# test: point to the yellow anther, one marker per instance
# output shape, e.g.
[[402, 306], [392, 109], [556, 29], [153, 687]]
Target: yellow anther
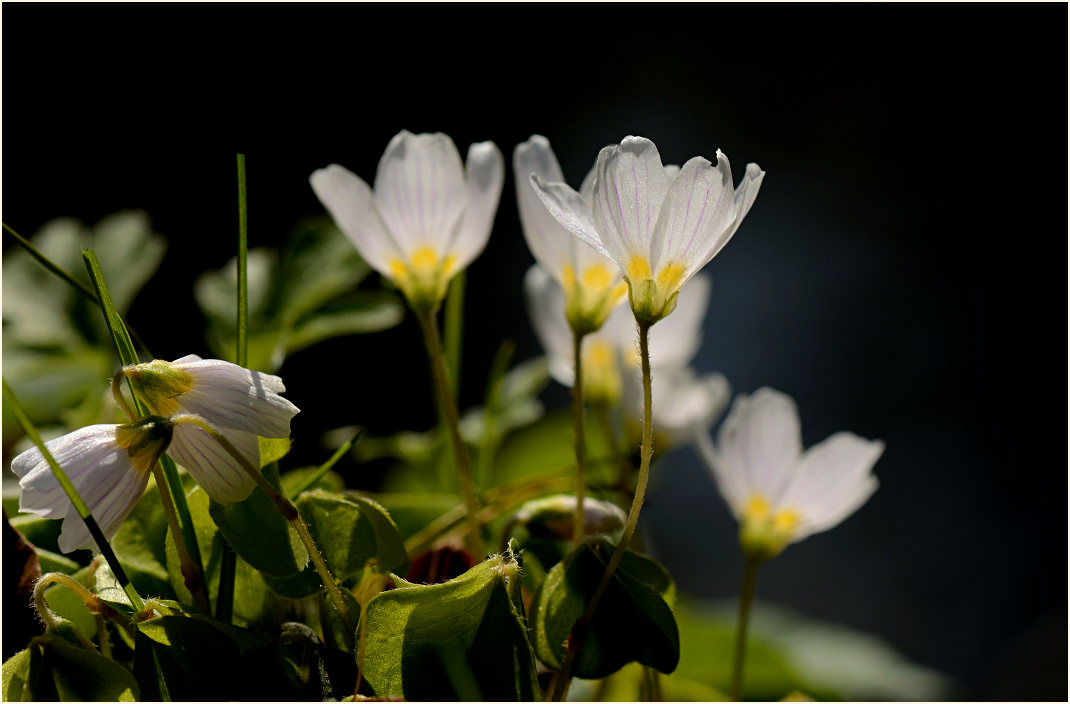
[[785, 521]]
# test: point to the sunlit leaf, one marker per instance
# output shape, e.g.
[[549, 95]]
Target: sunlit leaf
[[440, 641]]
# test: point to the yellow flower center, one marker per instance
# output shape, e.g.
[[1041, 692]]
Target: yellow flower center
[[764, 533], [425, 277], [144, 441], [590, 298]]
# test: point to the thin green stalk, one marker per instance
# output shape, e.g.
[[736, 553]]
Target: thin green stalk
[[80, 506], [750, 581], [579, 631], [171, 489], [452, 338], [285, 508], [243, 273], [449, 410], [321, 472], [578, 438], [228, 565]]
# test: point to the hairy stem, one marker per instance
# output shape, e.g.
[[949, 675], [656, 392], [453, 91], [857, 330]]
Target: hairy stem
[[579, 631]]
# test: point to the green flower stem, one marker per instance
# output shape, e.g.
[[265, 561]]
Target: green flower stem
[[41, 603], [190, 575], [750, 580], [449, 410], [285, 508], [579, 631], [80, 506], [578, 438], [228, 565], [171, 489]]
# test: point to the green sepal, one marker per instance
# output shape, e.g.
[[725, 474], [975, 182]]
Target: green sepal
[[633, 622], [463, 639]]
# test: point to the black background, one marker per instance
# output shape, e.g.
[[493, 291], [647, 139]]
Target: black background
[[895, 275]]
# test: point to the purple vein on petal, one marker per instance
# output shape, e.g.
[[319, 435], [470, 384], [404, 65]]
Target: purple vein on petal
[[698, 223]]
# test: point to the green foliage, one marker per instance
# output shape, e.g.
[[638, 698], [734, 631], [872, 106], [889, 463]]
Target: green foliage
[[302, 297], [349, 530], [633, 622], [259, 535], [52, 669], [464, 639]]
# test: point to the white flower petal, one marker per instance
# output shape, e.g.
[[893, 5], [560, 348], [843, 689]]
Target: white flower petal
[[420, 191], [485, 170], [685, 404], [349, 201], [832, 479], [218, 473], [79, 454], [548, 240], [628, 193], [697, 212], [731, 480], [229, 396], [546, 310], [100, 470], [743, 199], [761, 441], [570, 209]]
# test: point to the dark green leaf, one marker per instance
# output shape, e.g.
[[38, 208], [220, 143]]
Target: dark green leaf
[[259, 534], [74, 674], [632, 621]]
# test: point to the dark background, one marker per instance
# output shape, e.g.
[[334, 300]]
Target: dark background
[[895, 276]]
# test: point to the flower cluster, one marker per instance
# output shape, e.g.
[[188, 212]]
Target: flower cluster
[[109, 465]]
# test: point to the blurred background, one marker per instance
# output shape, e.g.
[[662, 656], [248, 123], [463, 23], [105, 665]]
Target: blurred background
[[894, 275]]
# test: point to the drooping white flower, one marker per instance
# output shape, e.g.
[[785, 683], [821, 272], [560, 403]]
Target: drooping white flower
[[591, 281], [108, 465], [240, 403], [659, 225], [428, 216], [778, 492]]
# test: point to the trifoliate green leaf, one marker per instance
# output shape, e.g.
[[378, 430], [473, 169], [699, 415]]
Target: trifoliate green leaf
[[632, 621]]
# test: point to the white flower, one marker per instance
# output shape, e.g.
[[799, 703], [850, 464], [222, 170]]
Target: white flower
[[108, 465], [591, 281], [683, 402], [779, 493], [240, 403], [658, 224], [427, 218]]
